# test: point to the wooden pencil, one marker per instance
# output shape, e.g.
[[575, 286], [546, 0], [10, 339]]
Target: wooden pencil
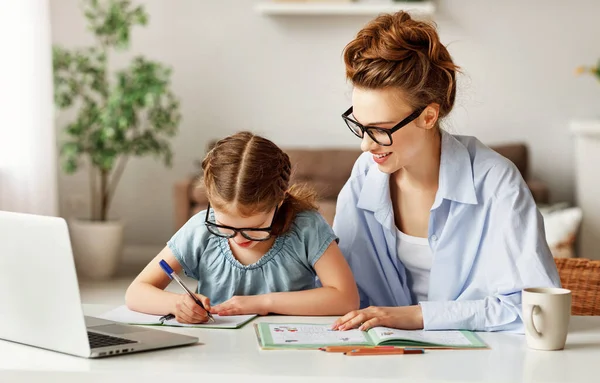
[[352, 348], [399, 351]]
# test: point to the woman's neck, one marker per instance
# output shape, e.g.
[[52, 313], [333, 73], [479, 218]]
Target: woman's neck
[[423, 173]]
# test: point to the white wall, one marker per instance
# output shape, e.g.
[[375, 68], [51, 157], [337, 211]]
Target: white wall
[[283, 76], [27, 150]]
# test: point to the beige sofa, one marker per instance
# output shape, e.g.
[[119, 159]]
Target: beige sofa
[[327, 170]]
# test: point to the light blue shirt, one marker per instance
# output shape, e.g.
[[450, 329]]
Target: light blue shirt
[[485, 232], [287, 266]]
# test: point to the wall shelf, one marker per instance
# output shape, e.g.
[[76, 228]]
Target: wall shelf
[[421, 8], [586, 128]]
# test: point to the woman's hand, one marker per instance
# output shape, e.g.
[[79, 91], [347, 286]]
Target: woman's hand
[[188, 311], [241, 305], [405, 318]]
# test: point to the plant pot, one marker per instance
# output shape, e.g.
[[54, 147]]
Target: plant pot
[[97, 247]]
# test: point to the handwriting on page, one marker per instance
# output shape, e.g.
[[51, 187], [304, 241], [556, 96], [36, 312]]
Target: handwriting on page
[[448, 338], [313, 334]]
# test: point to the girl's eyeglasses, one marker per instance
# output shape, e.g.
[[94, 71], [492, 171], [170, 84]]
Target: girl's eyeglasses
[[251, 234]]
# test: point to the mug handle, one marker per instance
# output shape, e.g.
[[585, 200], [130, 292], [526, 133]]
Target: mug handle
[[530, 310]]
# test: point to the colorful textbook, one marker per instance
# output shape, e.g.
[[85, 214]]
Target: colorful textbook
[[309, 336], [123, 315]]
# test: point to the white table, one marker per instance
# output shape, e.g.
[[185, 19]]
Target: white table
[[234, 355]]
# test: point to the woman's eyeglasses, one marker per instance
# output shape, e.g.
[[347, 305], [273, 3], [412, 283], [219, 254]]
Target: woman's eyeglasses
[[381, 136], [251, 234]]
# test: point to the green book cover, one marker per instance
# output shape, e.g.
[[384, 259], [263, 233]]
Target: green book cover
[[303, 335]]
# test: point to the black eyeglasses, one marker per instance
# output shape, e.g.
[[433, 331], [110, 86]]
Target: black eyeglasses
[[381, 136], [251, 234]]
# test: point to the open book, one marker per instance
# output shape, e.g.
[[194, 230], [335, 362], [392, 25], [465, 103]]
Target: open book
[[123, 315], [295, 336]]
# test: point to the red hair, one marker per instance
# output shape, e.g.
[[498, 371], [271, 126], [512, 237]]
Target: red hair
[[393, 50]]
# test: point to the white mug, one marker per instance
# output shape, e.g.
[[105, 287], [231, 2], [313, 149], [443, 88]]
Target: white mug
[[546, 314]]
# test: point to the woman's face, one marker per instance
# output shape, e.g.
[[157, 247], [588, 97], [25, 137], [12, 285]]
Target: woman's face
[[384, 108]]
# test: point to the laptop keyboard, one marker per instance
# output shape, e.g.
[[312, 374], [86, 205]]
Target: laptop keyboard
[[101, 340]]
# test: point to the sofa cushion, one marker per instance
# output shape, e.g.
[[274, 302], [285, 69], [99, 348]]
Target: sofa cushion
[[561, 225], [327, 210], [197, 192], [327, 170], [517, 153]]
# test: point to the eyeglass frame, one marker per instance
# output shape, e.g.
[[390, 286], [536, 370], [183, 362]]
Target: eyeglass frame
[[239, 230], [413, 116]]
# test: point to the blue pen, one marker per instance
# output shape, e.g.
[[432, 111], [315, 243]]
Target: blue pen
[[169, 271]]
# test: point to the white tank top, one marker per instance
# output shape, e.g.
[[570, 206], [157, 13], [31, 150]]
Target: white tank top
[[416, 256]]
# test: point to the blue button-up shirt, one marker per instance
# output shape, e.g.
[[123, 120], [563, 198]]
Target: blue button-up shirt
[[485, 232]]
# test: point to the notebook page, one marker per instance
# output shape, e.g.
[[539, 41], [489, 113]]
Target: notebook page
[[123, 315], [446, 338], [313, 334], [232, 321]]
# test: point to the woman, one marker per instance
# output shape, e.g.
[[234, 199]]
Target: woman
[[440, 231]]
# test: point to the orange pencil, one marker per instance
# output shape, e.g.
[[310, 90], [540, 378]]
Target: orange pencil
[[399, 351], [352, 348]]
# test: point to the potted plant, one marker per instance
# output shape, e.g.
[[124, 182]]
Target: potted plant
[[118, 114], [593, 70]]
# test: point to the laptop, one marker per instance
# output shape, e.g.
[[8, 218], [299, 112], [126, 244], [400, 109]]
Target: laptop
[[39, 296]]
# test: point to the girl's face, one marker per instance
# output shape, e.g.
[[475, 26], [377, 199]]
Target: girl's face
[[384, 108], [234, 219]]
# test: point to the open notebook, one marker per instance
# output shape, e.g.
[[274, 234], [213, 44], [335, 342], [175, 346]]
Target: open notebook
[[123, 315], [295, 336]]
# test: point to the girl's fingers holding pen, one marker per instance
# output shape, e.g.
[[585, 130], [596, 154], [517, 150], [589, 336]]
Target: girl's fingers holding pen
[[189, 317], [196, 312], [193, 306], [183, 317], [205, 301], [190, 311], [182, 309]]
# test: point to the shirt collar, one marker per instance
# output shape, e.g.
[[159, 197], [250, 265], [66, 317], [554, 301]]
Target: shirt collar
[[455, 181], [375, 194], [456, 173]]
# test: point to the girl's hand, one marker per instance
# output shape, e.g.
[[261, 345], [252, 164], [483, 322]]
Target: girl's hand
[[240, 305], [188, 311], [405, 318]]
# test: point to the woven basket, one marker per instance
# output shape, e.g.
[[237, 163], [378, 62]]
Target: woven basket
[[582, 277]]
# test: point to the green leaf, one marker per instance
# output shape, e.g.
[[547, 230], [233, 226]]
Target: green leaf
[[132, 111], [90, 15], [70, 153], [140, 16], [70, 165]]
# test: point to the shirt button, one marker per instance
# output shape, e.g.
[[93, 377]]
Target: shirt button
[[434, 237]]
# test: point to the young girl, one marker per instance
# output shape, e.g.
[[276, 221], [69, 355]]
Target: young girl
[[256, 249]]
